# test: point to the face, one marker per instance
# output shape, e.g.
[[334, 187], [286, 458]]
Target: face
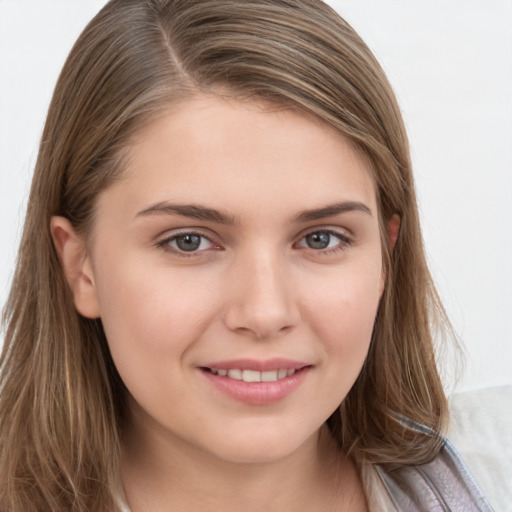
[[237, 271]]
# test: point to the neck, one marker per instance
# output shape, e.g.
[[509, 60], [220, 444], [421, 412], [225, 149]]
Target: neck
[[161, 473]]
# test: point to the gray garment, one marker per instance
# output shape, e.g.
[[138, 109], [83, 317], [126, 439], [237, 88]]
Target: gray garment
[[442, 485]]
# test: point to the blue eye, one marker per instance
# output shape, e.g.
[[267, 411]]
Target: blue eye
[[186, 243], [323, 239], [318, 240]]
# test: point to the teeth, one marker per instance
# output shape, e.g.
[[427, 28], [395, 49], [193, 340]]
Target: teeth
[[235, 374], [253, 375], [269, 376]]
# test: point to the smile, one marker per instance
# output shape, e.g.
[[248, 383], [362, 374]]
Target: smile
[[254, 375], [256, 382]]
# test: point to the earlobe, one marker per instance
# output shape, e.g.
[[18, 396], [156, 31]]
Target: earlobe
[[76, 266]]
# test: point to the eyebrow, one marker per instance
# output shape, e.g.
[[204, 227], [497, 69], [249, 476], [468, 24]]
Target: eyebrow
[[332, 210], [195, 211], [188, 210]]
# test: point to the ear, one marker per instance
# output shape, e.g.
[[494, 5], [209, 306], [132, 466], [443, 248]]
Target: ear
[[76, 266], [393, 228]]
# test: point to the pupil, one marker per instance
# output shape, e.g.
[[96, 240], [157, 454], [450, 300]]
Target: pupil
[[188, 242], [319, 240]]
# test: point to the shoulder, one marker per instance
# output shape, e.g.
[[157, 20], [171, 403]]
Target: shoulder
[[479, 450], [481, 431], [443, 484]]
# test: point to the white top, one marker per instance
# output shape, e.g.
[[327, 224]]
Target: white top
[[481, 431], [377, 496]]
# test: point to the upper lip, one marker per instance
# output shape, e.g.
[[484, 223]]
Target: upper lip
[[257, 365]]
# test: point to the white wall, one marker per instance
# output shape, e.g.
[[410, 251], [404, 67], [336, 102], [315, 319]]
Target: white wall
[[451, 65]]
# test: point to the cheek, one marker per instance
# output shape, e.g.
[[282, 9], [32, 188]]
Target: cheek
[[153, 320], [149, 313], [342, 314]]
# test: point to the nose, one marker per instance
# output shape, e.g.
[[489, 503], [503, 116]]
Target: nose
[[263, 301]]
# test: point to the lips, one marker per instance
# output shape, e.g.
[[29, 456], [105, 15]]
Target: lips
[[256, 382]]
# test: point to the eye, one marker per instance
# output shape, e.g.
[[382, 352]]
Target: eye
[[183, 243], [324, 239]]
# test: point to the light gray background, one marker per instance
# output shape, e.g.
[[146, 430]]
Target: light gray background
[[451, 65]]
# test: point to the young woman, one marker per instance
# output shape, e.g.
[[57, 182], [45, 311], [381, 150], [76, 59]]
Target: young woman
[[221, 300]]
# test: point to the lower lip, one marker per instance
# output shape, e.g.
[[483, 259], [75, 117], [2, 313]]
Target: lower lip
[[257, 393]]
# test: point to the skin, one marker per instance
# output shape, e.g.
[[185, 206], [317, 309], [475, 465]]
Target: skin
[[254, 288]]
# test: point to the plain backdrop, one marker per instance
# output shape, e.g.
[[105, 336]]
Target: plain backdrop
[[450, 63]]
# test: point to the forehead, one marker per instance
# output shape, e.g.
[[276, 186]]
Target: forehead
[[220, 150]]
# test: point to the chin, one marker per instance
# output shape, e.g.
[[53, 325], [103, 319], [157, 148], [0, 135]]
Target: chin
[[260, 446]]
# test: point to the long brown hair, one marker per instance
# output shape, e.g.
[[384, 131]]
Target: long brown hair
[[62, 402]]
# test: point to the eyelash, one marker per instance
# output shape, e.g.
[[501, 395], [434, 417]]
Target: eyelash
[[166, 247], [344, 243]]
